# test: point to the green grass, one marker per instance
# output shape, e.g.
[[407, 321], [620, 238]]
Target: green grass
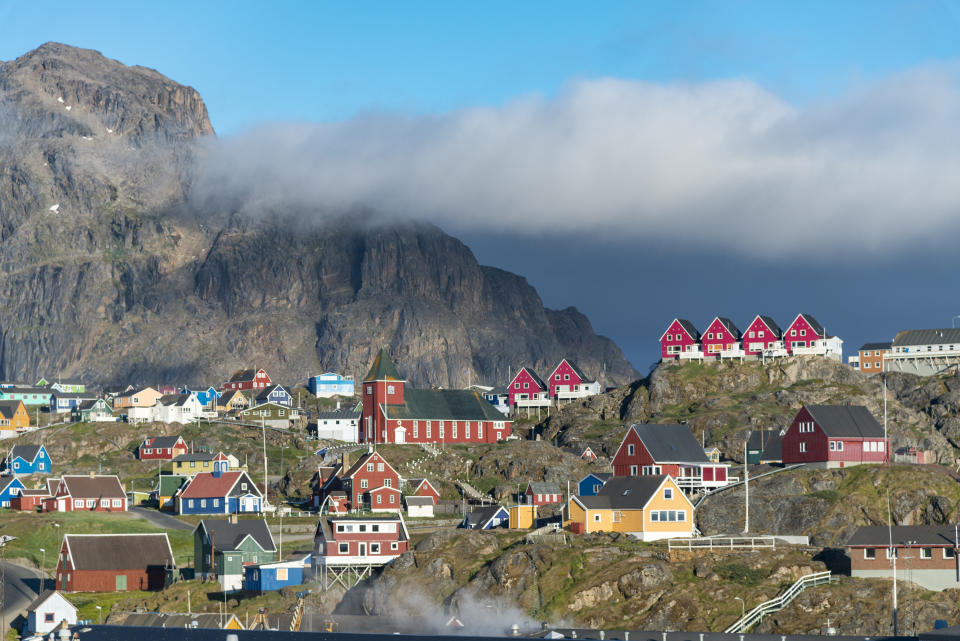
[[741, 573], [87, 602]]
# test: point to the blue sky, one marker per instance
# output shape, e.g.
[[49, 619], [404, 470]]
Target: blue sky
[[869, 91]]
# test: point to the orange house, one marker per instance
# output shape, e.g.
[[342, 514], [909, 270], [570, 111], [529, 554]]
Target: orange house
[[13, 415], [146, 397], [645, 507]]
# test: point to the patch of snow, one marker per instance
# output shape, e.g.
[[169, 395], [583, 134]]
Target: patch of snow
[[109, 131], [54, 208], [60, 100], [87, 137], [68, 107]]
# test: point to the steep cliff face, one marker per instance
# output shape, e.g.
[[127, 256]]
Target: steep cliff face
[[113, 272]]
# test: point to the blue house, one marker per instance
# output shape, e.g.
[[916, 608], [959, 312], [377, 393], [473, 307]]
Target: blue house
[[63, 402], [274, 394], [330, 384], [10, 487], [28, 459], [267, 577], [590, 484], [486, 518], [207, 397], [220, 493]]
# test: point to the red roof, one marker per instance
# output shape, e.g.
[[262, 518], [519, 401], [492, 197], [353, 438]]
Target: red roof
[[206, 484]]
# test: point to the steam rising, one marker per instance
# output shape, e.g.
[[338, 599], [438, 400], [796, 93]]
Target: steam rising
[[720, 164]]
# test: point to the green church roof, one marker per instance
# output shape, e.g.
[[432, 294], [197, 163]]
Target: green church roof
[[383, 369]]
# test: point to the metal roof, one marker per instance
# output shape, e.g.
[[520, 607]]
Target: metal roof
[[446, 404], [854, 421], [119, 551], [383, 369], [26, 452], [624, 493], [770, 323], [909, 337], [670, 443], [920, 535], [227, 535], [874, 346]]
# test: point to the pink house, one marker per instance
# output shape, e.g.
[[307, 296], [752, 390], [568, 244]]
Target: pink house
[[760, 334], [681, 336], [527, 389], [568, 381], [721, 335], [804, 331]]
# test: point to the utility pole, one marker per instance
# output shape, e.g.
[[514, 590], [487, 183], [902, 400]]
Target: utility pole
[[746, 491], [263, 428], [886, 443], [3, 582]]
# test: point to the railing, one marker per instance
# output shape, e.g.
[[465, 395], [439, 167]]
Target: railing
[[532, 402], [778, 603], [696, 354], [722, 543]]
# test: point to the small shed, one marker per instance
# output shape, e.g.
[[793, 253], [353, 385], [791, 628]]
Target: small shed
[[419, 506], [268, 577], [522, 517], [47, 612]]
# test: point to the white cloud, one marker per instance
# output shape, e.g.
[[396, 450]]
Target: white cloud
[[722, 164]]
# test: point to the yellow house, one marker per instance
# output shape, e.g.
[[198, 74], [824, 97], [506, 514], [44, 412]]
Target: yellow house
[[196, 462], [232, 400], [522, 517], [646, 507]]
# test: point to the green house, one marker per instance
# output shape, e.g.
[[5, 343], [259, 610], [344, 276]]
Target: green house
[[271, 414], [31, 396], [221, 547], [69, 386], [97, 410]]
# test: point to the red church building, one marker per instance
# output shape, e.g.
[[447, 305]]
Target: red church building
[[834, 436], [650, 449], [761, 334], [681, 337], [394, 413]]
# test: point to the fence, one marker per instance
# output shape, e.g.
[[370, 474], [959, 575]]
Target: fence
[[722, 543]]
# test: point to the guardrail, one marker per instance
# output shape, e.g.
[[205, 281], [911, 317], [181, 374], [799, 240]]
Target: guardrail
[[778, 603], [722, 543]]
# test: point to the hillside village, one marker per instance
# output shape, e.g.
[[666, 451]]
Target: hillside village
[[714, 483]]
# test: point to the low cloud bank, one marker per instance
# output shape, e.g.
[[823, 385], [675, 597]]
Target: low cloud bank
[[725, 165]]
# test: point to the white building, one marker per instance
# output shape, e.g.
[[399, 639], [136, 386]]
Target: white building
[[338, 425], [330, 384], [47, 612], [924, 352]]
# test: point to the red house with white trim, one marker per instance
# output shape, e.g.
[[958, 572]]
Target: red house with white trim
[[802, 332], [527, 390], [87, 494], [423, 487], [539, 494], [394, 413], [649, 449], [343, 541], [721, 335], [829, 436], [248, 379], [681, 337], [163, 448], [761, 334], [567, 381]]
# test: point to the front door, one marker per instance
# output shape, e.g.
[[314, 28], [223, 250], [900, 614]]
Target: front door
[[121, 582], [363, 549], [61, 505], [400, 434]]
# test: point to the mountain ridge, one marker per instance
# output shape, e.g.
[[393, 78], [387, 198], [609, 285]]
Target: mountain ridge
[[114, 269]]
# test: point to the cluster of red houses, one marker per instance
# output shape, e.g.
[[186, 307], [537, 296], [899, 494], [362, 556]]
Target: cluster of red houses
[[763, 338], [74, 493], [565, 382]]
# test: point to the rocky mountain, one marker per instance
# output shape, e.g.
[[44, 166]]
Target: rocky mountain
[[111, 269]]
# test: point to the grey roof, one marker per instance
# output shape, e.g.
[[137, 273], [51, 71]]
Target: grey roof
[[885, 345], [418, 500], [926, 337], [67, 381], [76, 395], [196, 456], [338, 414], [174, 399], [161, 442], [814, 324], [26, 452], [759, 439], [119, 551], [543, 488], [9, 408], [227, 535], [94, 487], [689, 328], [5, 482], [624, 493], [536, 378], [853, 421], [773, 452], [670, 443], [43, 596], [873, 535], [769, 322], [445, 404], [603, 476], [479, 517], [25, 390], [726, 322], [168, 620], [269, 389], [243, 375]]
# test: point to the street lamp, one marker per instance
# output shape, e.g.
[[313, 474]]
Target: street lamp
[[3, 577], [99, 615], [743, 608], [43, 565]]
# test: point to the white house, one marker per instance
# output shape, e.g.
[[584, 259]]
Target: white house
[[419, 506], [48, 611], [330, 384], [338, 425]]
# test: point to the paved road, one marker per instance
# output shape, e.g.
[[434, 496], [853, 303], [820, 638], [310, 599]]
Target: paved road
[[160, 519], [20, 588]]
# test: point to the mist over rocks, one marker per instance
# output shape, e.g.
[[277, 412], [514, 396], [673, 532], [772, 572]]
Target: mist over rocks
[[116, 268]]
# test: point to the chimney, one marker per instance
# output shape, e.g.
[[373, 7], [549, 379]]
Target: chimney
[[345, 461]]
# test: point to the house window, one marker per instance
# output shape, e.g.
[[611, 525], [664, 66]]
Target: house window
[[369, 467], [516, 386], [149, 450], [379, 499], [557, 377], [216, 502], [91, 502], [668, 493], [344, 548], [566, 377], [339, 528], [117, 502], [189, 502], [203, 502], [369, 389], [596, 518], [949, 553], [710, 335], [388, 482], [394, 546], [926, 553], [429, 430], [78, 504], [390, 389], [630, 449], [364, 484], [379, 467], [48, 617], [374, 527], [839, 446], [633, 470], [869, 553], [793, 332], [526, 385], [454, 429], [655, 516], [374, 548], [833, 446], [750, 334], [416, 429], [803, 332], [803, 447], [243, 487]]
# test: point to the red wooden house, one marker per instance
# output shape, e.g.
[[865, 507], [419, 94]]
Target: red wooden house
[[163, 448], [721, 335], [360, 483], [802, 332], [248, 379], [834, 436], [527, 390], [761, 334], [567, 381], [681, 337], [423, 487], [343, 541], [114, 562], [542, 494], [385, 499], [394, 413], [87, 493], [650, 449]]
